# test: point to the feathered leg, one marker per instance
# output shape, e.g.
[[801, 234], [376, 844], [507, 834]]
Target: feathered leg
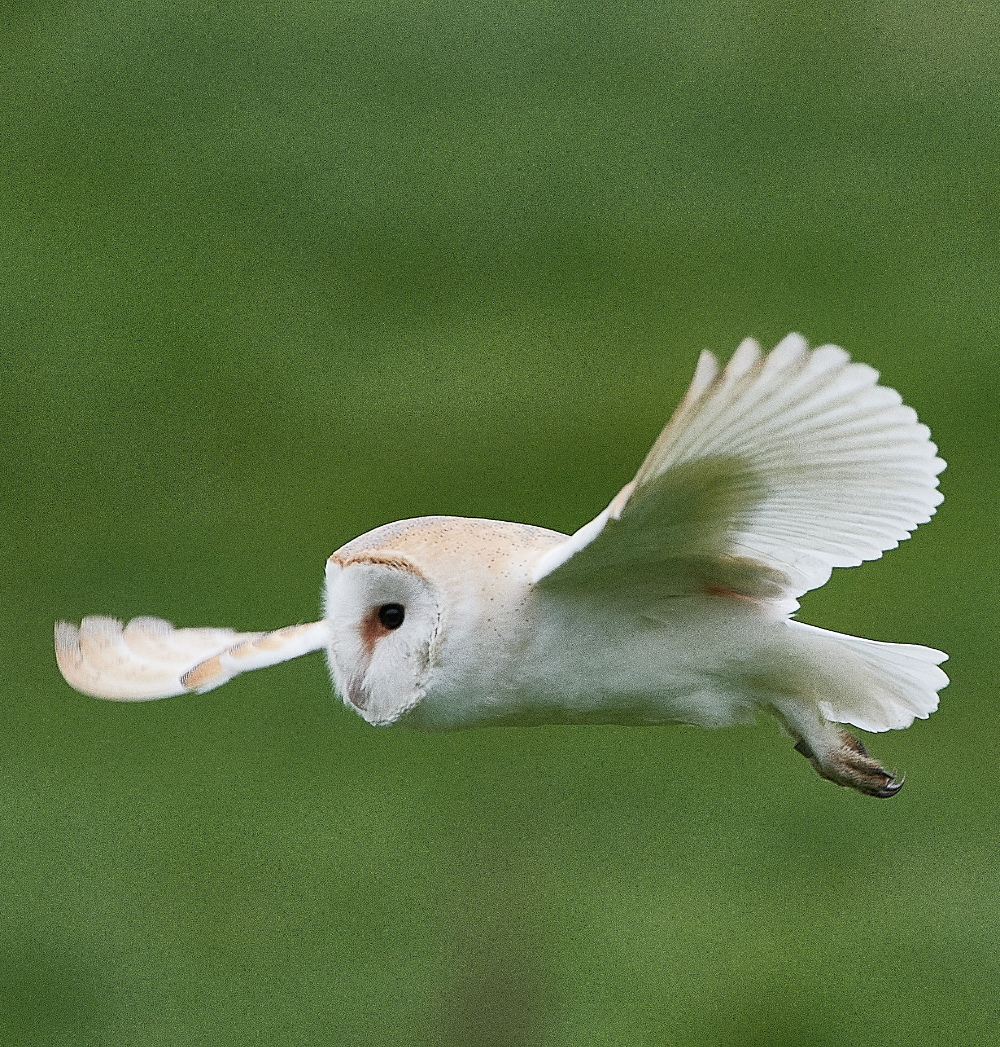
[[847, 763]]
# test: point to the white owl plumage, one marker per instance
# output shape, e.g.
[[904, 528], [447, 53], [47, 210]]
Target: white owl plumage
[[673, 605]]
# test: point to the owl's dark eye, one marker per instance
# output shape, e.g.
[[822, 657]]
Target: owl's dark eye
[[391, 615]]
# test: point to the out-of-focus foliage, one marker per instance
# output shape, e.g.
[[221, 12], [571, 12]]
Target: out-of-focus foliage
[[274, 274]]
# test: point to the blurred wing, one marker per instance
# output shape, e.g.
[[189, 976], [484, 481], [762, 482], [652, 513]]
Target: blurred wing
[[771, 473], [149, 658]]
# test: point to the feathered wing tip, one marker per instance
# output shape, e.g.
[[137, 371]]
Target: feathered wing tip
[[143, 660], [149, 658], [846, 469]]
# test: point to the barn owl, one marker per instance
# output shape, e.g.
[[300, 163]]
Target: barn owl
[[674, 605]]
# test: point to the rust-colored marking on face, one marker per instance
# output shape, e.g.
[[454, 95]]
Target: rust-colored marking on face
[[372, 630]]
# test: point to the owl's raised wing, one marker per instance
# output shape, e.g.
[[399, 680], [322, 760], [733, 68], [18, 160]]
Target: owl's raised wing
[[770, 473], [149, 658]]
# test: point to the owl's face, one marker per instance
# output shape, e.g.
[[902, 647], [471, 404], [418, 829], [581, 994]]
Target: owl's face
[[427, 605], [385, 623]]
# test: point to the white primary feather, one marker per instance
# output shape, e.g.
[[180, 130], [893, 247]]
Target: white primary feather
[[814, 466]]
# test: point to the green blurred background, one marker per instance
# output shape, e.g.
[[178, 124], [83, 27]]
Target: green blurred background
[[276, 273]]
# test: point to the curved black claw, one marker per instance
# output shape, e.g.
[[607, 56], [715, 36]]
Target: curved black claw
[[890, 788]]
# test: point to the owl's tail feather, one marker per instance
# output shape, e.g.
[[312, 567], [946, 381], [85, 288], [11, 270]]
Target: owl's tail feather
[[878, 686], [847, 680]]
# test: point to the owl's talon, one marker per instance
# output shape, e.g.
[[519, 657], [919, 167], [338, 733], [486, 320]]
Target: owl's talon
[[890, 788], [848, 764]]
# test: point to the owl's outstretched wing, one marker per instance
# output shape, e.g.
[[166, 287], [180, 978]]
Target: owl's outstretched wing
[[771, 473], [149, 658]]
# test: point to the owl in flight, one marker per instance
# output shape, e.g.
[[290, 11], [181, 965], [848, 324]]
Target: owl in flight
[[672, 606]]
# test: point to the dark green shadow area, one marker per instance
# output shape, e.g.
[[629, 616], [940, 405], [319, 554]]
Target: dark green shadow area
[[274, 274]]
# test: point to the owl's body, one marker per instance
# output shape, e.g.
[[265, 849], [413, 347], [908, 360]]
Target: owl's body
[[672, 606], [559, 657]]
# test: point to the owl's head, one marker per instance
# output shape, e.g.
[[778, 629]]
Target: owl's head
[[424, 602]]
